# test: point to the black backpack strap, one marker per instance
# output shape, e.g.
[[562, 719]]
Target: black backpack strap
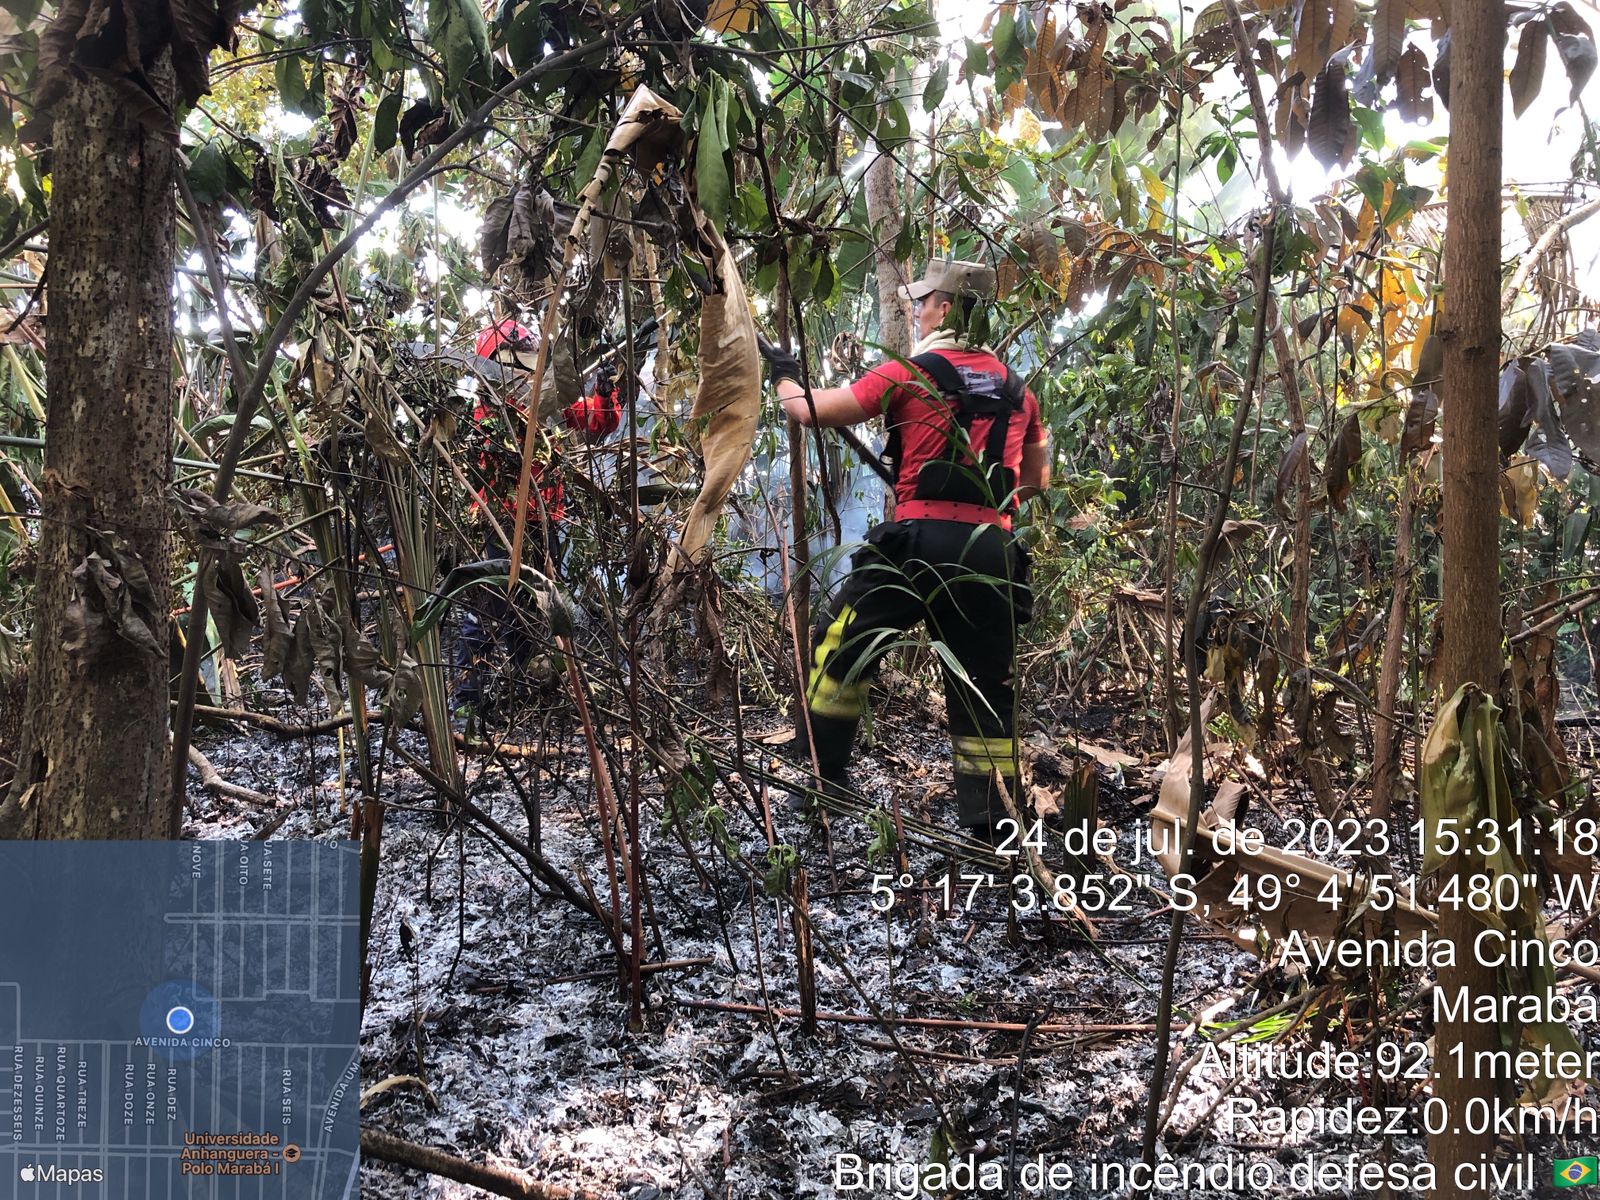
[[948, 380], [941, 370], [1014, 391]]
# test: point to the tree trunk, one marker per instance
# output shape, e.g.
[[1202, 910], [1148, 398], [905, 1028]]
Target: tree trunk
[[885, 217], [94, 755], [1471, 572], [894, 314]]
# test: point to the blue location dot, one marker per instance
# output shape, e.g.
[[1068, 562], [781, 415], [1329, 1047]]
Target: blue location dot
[[180, 1020]]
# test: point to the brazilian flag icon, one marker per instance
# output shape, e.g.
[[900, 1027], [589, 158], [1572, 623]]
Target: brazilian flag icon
[[1576, 1172]]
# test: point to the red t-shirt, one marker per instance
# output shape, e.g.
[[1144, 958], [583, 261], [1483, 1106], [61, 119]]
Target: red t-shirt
[[924, 418]]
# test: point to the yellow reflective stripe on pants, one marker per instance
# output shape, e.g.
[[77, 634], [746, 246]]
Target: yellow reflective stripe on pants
[[980, 755], [825, 694], [830, 698]]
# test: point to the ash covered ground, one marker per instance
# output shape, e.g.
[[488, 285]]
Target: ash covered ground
[[505, 1001]]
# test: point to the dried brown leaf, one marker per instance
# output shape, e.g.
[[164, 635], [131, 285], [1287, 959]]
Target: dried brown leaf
[[1342, 458]]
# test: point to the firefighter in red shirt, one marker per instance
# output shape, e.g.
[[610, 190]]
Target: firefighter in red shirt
[[492, 618], [967, 447]]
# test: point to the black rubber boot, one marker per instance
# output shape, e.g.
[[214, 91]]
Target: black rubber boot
[[979, 808]]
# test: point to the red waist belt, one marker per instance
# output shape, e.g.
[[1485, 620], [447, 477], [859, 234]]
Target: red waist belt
[[950, 510]]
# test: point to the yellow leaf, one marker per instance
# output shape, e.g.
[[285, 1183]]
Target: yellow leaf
[[1365, 223], [1519, 490], [1424, 328], [730, 16], [1028, 128], [1154, 182], [1354, 323]]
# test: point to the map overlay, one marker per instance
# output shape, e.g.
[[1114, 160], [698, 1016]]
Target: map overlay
[[179, 1019]]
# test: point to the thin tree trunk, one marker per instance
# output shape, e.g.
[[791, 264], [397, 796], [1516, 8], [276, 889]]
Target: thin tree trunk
[[1299, 646], [1471, 572], [94, 753], [894, 314], [1386, 740], [886, 219]]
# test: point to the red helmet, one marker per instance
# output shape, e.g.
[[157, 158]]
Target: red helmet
[[508, 343]]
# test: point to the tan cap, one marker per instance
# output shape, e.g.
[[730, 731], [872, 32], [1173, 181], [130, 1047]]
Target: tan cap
[[955, 276]]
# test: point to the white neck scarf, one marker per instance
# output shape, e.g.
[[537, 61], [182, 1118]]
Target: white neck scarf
[[945, 339]]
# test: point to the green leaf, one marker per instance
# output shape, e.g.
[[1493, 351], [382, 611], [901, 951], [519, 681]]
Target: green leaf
[[1575, 533], [752, 206], [525, 41], [907, 244], [938, 82], [1007, 46], [910, 17], [291, 80], [1369, 181], [1407, 199], [711, 151], [10, 216], [208, 174], [589, 157], [977, 64], [1371, 123], [827, 276], [386, 123], [894, 126], [1226, 161], [457, 30], [383, 56], [28, 176], [1019, 174], [802, 280]]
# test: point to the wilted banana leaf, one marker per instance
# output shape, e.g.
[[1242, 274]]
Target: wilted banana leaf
[[1421, 414], [326, 643], [298, 663], [729, 393], [404, 696], [519, 228], [1292, 458], [363, 664], [1464, 786]]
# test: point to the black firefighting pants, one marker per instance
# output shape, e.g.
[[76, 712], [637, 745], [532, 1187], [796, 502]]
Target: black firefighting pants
[[970, 584]]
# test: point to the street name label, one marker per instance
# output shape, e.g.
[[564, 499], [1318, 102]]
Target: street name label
[[179, 1019]]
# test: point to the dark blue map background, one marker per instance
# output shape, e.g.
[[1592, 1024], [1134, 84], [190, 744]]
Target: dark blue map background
[[99, 941]]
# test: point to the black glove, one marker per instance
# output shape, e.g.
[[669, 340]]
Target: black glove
[[780, 363]]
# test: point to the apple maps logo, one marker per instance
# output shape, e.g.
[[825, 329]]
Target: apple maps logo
[[34, 1173]]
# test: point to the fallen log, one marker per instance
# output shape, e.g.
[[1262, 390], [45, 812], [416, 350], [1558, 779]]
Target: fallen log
[[211, 779], [502, 1181]]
